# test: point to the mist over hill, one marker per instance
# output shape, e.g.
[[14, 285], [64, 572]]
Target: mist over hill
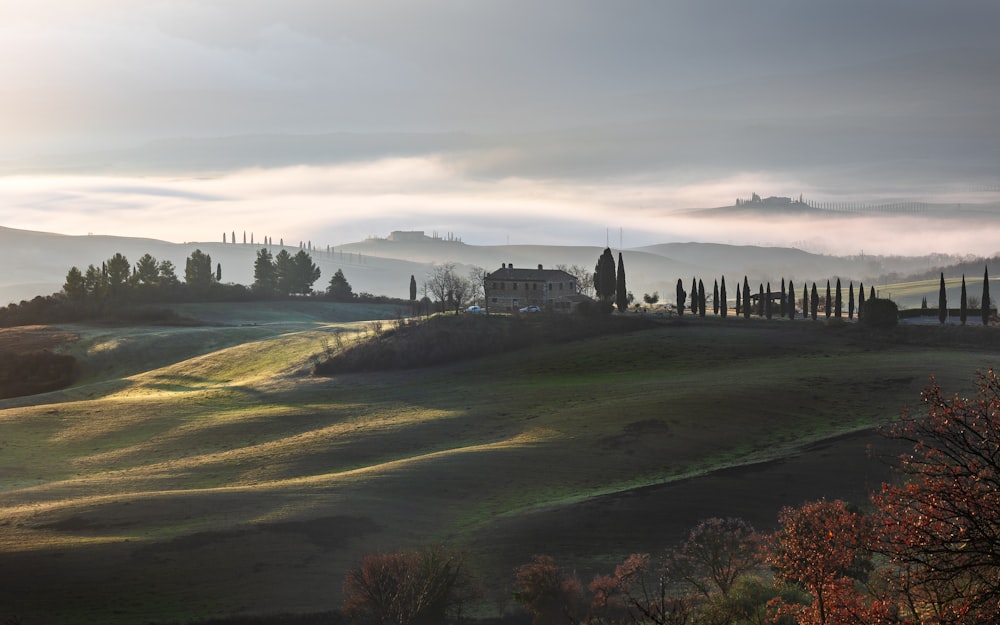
[[35, 263]]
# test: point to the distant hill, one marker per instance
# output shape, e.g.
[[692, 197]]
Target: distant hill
[[35, 263]]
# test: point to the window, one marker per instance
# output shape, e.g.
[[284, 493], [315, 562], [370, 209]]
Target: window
[[515, 286], [560, 286], [534, 287]]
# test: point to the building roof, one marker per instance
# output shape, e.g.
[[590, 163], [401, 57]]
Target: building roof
[[509, 272]]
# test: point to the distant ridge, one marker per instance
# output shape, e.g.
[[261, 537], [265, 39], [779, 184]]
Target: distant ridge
[[35, 263]]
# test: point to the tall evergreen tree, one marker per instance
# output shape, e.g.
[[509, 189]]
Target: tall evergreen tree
[[942, 301], [791, 300], [746, 298], [963, 303], [265, 276], [695, 300], [814, 301], [985, 306], [118, 273], [680, 297], [861, 298], [838, 302], [701, 299], [339, 288], [75, 288], [805, 300], [723, 298], [218, 272], [760, 300], [739, 300], [147, 271], [306, 273], [198, 272], [783, 307], [767, 302], [850, 300], [413, 289], [715, 299], [621, 291], [605, 282], [829, 301]]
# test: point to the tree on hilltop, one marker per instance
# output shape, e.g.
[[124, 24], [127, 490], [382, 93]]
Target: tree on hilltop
[[621, 292], [723, 298], [942, 301], [605, 281], [984, 306], [340, 289], [963, 303], [198, 272]]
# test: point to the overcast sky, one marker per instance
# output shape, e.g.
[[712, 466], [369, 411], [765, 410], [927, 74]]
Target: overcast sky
[[482, 118]]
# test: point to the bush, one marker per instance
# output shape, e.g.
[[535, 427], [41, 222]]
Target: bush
[[408, 588], [879, 313]]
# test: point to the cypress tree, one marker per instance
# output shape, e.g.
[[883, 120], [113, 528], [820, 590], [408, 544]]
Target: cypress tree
[[783, 309], [942, 301], [805, 300], [760, 300], [680, 297], [739, 302], [695, 300], [621, 292], [850, 301], [838, 302], [723, 299], [413, 289], [791, 300], [746, 298], [715, 299], [814, 301], [701, 299], [829, 301], [605, 282], [218, 272], [767, 302], [985, 306], [861, 298], [962, 303], [871, 292]]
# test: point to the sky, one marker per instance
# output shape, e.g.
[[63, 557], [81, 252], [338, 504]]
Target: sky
[[511, 121]]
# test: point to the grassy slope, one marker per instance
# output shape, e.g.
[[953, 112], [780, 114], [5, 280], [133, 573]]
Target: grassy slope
[[225, 480]]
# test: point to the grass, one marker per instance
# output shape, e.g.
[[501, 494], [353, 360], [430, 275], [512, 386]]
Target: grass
[[198, 472]]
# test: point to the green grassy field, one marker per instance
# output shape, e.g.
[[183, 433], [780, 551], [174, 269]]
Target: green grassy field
[[201, 472]]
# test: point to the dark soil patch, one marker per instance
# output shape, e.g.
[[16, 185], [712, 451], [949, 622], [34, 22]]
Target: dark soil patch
[[594, 535], [451, 338], [27, 366]]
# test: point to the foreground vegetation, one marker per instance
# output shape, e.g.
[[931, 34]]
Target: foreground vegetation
[[198, 472]]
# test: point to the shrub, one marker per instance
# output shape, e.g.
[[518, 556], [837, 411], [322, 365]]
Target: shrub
[[407, 588], [879, 313]]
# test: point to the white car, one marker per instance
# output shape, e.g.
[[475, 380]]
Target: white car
[[474, 309], [531, 309]]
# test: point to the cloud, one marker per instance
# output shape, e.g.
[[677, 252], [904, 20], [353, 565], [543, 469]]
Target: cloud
[[339, 204]]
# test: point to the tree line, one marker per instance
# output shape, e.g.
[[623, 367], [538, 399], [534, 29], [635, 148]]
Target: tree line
[[114, 285], [921, 551]]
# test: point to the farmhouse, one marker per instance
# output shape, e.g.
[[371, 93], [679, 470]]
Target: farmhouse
[[510, 288]]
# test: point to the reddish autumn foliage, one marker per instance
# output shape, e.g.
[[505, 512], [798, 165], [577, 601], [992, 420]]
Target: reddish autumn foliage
[[823, 546], [941, 528], [550, 594], [637, 594], [407, 588]]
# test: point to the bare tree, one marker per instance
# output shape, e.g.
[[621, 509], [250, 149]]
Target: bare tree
[[448, 287], [584, 278]]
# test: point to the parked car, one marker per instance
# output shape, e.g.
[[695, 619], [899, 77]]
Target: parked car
[[531, 309], [474, 309]]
